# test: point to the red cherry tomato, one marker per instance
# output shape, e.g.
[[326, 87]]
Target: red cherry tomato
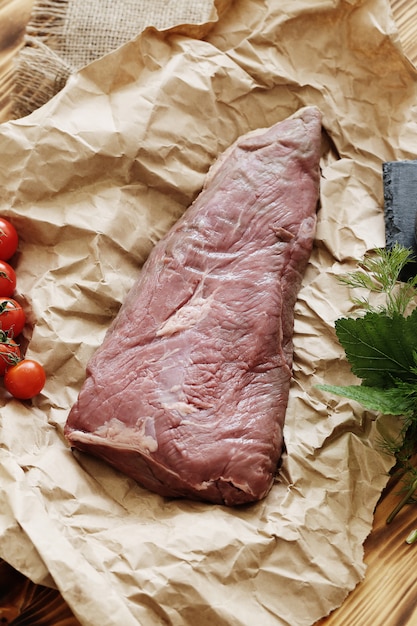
[[9, 353], [8, 239], [7, 279], [12, 317], [25, 379]]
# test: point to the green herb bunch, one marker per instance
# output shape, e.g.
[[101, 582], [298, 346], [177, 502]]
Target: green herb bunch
[[381, 348]]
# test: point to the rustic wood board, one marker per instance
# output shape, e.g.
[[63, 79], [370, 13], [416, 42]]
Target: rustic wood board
[[387, 595], [405, 15]]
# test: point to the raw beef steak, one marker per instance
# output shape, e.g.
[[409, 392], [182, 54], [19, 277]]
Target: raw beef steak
[[202, 346]]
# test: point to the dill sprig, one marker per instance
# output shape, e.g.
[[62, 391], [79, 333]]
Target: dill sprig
[[380, 273]]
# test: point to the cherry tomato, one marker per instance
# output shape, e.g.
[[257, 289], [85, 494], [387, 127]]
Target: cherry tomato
[[7, 279], [8, 239], [25, 379], [12, 317], [9, 353]]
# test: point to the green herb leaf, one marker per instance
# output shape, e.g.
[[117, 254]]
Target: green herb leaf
[[380, 348], [390, 401], [381, 274]]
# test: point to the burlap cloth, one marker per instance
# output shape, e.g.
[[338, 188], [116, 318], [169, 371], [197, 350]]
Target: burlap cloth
[[65, 35]]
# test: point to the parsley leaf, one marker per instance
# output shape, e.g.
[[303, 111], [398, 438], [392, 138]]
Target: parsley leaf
[[390, 401], [380, 348]]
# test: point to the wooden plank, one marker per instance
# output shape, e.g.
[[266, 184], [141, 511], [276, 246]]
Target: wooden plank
[[405, 15]]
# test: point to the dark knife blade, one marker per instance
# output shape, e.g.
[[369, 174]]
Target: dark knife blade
[[400, 207]]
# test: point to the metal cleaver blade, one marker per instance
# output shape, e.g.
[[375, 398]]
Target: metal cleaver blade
[[400, 208]]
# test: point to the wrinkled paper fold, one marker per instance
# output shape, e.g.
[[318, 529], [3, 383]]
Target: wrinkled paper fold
[[92, 180]]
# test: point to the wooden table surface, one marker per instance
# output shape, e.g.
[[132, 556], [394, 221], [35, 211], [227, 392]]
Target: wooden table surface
[[388, 594]]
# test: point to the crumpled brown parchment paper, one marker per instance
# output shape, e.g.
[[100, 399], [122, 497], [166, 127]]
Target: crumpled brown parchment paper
[[62, 36], [92, 180]]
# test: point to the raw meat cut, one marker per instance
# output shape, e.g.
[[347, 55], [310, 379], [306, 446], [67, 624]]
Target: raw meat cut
[[202, 346]]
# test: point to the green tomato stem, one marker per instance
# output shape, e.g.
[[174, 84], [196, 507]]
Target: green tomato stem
[[403, 501], [412, 537]]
